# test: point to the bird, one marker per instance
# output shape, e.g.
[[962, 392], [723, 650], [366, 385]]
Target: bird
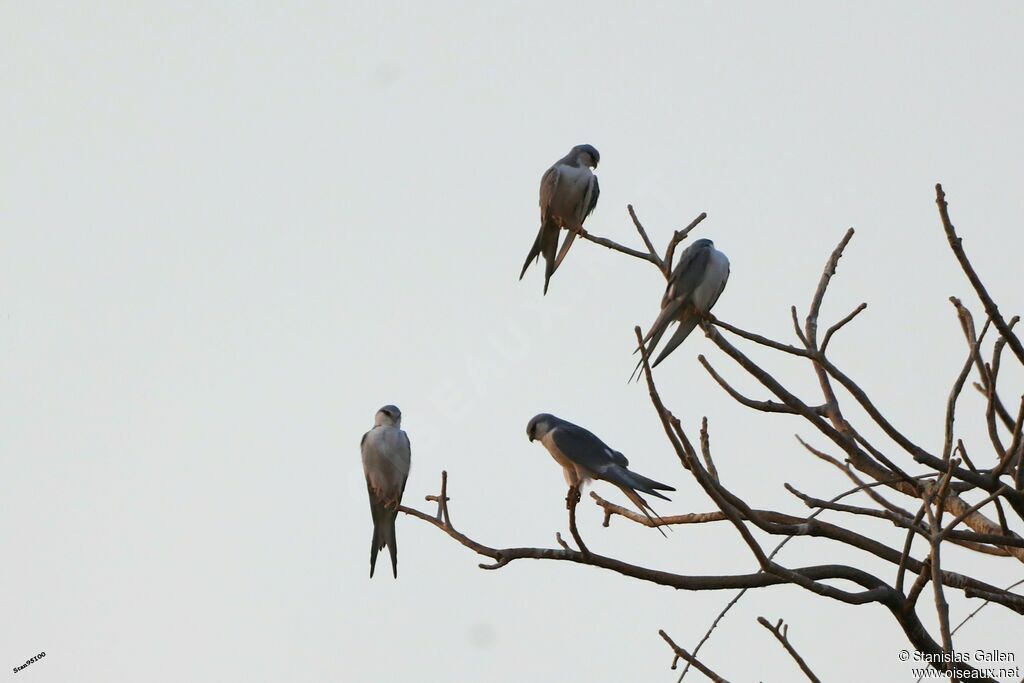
[[693, 288], [387, 456], [583, 457], [568, 194]]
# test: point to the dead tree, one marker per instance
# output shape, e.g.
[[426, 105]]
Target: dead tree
[[935, 489]]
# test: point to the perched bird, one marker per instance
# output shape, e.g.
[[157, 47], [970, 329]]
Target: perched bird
[[387, 457], [693, 288], [568, 193], [583, 457]]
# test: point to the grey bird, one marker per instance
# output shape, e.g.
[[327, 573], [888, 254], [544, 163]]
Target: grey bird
[[584, 457], [387, 456], [568, 193], [693, 288]]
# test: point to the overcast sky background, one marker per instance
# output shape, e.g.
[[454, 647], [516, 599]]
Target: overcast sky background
[[230, 234]]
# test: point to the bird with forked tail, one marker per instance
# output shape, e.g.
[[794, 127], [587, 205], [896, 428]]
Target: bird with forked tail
[[693, 288], [568, 194], [387, 457], [583, 457]]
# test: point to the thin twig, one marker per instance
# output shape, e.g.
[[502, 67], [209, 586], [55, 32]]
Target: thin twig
[[839, 325], [760, 339], [781, 633], [604, 242], [572, 499], [655, 259], [680, 653], [442, 500], [678, 237], [763, 406], [982, 606], [955, 243]]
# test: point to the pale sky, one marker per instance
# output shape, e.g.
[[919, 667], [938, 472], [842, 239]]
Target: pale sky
[[230, 234]]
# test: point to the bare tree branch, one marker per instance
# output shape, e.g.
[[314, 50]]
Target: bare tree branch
[[664, 265], [955, 243], [876, 450], [763, 406], [655, 259], [604, 242], [680, 653], [781, 633], [678, 237], [839, 325], [572, 499], [441, 500]]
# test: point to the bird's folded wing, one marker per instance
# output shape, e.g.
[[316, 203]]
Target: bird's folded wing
[[689, 272], [588, 451], [583, 447], [548, 188], [594, 191]]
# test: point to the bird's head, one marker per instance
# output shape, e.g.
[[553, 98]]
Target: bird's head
[[539, 425], [388, 416], [703, 243], [587, 155]]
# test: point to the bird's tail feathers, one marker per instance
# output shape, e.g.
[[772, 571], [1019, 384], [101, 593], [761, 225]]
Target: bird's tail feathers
[[548, 245], [649, 485], [566, 243], [646, 509], [686, 326], [533, 255], [627, 479], [660, 323], [391, 541], [383, 535], [654, 335], [373, 552], [375, 545]]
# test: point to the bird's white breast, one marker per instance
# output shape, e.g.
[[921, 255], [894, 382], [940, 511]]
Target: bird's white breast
[[717, 272], [574, 475], [573, 182], [386, 459]]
